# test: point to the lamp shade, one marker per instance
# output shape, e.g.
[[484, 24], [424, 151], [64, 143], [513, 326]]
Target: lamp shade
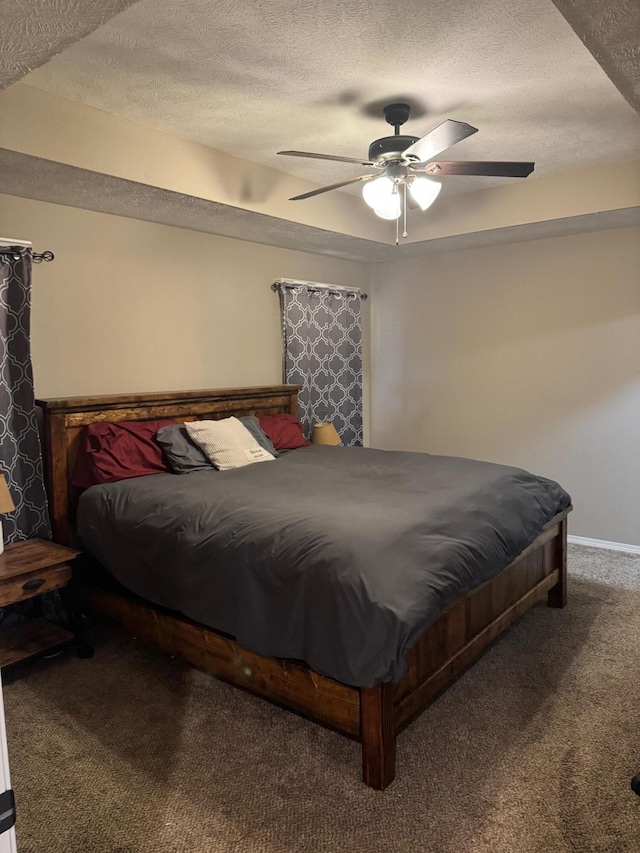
[[325, 433], [6, 501], [382, 195], [390, 209], [424, 191], [378, 191]]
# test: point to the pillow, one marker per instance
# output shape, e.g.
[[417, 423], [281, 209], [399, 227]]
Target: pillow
[[253, 425], [227, 443], [181, 452], [111, 451], [284, 430]]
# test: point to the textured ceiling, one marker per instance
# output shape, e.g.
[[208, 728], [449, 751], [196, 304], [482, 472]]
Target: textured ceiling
[[46, 180], [611, 31], [253, 78], [35, 30]]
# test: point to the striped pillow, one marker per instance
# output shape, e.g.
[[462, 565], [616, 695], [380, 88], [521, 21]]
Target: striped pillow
[[227, 443]]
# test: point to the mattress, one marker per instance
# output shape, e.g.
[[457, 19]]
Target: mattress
[[337, 556]]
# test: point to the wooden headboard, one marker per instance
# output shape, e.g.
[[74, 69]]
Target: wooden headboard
[[63, 420]]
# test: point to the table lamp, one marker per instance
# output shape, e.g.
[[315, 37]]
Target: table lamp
[[325, 433], [6, 505]]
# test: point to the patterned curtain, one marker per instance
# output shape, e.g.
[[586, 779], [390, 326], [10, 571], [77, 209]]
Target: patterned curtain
[[20, 455], [323, 353]]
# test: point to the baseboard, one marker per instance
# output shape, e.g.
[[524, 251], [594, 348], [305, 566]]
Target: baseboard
[[602, 543]]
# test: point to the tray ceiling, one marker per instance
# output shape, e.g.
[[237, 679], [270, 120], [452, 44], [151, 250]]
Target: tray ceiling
[[251, 79]]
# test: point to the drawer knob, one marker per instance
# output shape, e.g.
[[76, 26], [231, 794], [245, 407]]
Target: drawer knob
[[34, 583]]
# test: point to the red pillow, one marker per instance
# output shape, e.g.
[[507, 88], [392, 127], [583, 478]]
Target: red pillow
[[285, 431], [117, 451]]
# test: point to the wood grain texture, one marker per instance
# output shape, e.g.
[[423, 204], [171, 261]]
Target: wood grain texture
[[558, 594], [372, 715], [464, 629], [32, 584], [378, 736], [29, 638], [186, 411], [97, 404], [415, 700], [33, 555]]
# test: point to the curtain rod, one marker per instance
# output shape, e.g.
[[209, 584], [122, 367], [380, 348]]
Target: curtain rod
[[317, 285], [22, 247]]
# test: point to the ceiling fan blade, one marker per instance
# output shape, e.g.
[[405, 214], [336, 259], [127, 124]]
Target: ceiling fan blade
[[328, 157], [439, 139], [478, 167], [331, 187]]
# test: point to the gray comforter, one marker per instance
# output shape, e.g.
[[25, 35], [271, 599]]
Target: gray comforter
[[340, 557]]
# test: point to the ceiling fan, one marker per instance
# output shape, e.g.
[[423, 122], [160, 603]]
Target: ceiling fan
[[402, 162]]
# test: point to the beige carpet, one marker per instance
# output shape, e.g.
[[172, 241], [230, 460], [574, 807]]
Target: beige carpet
[[532, 750]]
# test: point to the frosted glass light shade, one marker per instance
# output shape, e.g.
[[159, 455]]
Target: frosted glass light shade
[[377, 193], [382, 195], [325, 433], [424, 191], [390, 209]]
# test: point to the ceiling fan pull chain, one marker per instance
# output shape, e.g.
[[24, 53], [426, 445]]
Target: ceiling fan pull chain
[[397, 230], [404, 232]]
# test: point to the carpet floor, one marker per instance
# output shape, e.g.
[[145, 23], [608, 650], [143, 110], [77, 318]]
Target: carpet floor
[[531, 750]]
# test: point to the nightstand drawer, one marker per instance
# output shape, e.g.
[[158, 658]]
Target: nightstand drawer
[[13, 590]]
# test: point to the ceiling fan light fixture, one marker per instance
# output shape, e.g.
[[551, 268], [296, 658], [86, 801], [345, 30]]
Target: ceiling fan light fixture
[[400, 157], [424, 191]]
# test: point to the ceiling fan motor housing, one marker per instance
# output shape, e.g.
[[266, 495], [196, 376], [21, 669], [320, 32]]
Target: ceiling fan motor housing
[[390, 147]]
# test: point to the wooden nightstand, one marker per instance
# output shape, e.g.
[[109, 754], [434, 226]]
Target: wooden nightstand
[[29, 569]]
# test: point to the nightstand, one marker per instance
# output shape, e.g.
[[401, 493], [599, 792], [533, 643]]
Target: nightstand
[[29, 569]]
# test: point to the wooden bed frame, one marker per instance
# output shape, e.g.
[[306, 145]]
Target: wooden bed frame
[[373, 716]]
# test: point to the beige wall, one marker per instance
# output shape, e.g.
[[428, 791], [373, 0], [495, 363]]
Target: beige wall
[[526, 354], [132, 306]]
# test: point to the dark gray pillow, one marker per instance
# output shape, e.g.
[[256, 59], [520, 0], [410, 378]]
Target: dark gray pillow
[[253, 425], [183, 455]]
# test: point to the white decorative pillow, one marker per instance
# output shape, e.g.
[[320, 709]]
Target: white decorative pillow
[[227, 443]]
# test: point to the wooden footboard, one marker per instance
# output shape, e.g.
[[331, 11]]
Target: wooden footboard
[[375, 715], [473, 622]]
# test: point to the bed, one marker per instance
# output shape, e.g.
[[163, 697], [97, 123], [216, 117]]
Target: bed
[[370, 705]]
